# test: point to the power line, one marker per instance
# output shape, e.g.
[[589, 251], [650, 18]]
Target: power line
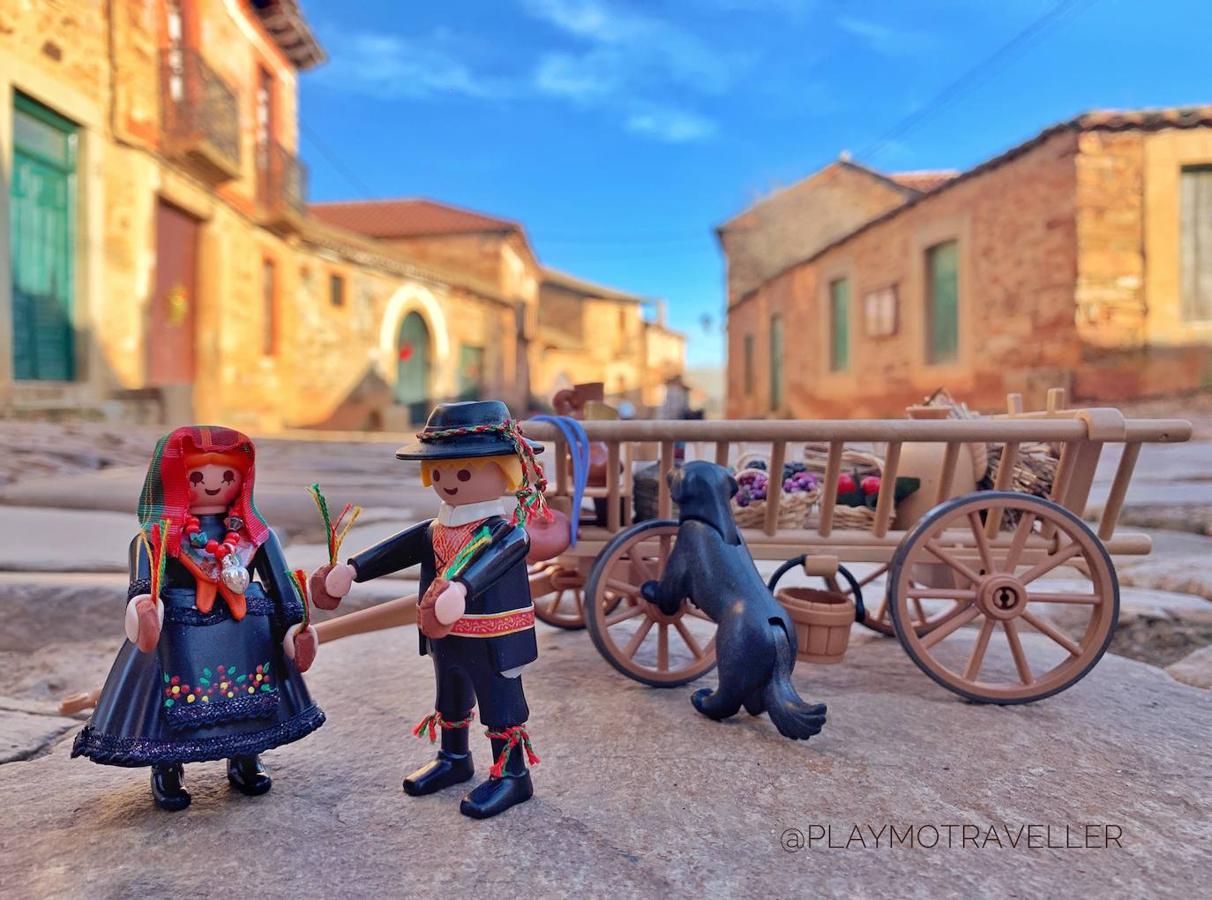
[[337, 166]]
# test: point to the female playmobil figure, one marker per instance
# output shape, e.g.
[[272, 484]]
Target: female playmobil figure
[[210, 669], [476, 617]]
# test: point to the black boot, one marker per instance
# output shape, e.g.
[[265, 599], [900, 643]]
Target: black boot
[[496, 795], [452, 765], [248, 776], [167, 787]]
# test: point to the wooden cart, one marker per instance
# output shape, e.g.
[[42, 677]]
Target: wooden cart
[[994, 611]]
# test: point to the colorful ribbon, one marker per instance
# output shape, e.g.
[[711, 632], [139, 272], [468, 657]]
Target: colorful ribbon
[[334, 531]]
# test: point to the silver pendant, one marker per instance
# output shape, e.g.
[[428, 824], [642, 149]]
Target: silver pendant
[[234, 575]]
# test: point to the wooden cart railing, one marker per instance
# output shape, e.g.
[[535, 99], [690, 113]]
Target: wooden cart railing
[[1081, 433]]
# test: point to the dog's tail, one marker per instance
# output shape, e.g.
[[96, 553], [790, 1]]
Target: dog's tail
[[790, 714]]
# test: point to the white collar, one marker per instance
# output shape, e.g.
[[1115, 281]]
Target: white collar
[[454, 516]]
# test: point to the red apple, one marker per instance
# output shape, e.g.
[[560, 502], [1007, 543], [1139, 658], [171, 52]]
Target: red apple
[[871, 484], [845, 484]]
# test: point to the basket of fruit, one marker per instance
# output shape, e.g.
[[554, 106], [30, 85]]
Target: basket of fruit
[[858, 484], [801, 489]]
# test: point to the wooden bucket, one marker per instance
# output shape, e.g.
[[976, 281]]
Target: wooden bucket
[[822, 622]]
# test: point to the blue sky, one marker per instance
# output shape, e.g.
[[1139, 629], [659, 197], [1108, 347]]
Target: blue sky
[[621, 132]]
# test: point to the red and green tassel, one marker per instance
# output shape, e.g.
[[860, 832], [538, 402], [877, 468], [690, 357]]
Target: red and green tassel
[[335, 531], [298, 578], [432, 722], [157, 556], [514, 736]]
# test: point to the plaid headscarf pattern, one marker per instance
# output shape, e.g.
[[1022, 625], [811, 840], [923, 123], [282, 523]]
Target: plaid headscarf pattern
[[166, 489]]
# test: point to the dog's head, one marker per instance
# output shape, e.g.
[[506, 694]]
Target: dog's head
[[703, 491]]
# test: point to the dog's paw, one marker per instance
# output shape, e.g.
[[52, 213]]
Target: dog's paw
[[699, 697]]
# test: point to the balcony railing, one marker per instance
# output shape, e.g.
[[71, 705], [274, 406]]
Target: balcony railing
[[281, 186], [200, 113]]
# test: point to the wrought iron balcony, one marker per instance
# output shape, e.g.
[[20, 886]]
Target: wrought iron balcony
[[200, 115], [281, 187]]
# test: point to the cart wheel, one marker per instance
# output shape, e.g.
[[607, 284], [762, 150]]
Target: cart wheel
[[681, 647], [925, 617], [564, 606], [996, 590]]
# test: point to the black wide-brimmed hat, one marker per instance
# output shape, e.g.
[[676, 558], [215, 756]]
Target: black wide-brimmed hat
[[465, 431]]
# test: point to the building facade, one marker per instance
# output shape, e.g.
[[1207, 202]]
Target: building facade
[[1081, 258], [164, 260], [592, 333]]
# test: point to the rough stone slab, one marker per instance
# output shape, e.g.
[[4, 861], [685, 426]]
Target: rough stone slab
[[639, 796], [1195, 669], [22, 734], [56, 540]]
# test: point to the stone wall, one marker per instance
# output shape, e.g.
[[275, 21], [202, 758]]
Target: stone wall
[[1017, 267]]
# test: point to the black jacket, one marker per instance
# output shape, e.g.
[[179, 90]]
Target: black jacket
[[496, 581]]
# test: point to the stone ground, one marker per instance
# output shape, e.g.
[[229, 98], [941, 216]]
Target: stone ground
[[638, 795]]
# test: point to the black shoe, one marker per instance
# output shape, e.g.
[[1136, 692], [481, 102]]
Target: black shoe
[[248, 776], [496, 795], [444, 770], [167, 788]]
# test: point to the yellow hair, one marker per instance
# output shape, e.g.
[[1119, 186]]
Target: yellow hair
[[509, 464]]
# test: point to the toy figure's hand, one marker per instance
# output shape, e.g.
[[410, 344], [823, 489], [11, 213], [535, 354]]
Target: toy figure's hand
[[329, 584], [144, 619], [451, 603], [300, 645]]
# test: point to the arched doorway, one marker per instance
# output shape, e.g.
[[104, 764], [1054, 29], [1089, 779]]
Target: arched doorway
[[412, 367]]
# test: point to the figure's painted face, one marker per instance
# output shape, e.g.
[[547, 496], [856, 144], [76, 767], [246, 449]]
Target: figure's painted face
[[462, 481], [212, 488]]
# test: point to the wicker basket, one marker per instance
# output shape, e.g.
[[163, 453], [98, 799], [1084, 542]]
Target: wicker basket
[[857, 462], [793, 507]]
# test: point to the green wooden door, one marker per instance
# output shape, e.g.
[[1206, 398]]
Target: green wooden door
[[412, 367], [42, 242], [776, 363], [471, 372], [839, 325]]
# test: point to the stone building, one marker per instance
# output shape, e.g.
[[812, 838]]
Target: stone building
[[592, 333], [1081, 258], [164, 259]]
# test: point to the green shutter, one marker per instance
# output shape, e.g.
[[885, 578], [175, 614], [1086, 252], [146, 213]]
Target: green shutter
[[776, 363], [471, 372], [42, 242], [942, 302], [749, 364], [839, 325]]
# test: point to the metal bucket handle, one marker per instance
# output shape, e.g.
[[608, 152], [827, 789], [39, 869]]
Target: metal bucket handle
[[860, 611]]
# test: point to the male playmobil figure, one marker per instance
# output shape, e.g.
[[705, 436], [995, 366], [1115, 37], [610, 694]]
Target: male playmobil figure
[[475, 616], [211, 668]]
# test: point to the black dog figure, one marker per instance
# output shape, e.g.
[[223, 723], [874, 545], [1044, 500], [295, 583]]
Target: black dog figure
[[711, 566]]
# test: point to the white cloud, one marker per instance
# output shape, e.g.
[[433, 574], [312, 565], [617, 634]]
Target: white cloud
[[388, 65], [673, 126], [884, 39]]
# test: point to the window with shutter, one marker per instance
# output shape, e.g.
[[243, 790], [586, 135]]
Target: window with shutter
[[1195, 251], [942, 302], [839, 325]]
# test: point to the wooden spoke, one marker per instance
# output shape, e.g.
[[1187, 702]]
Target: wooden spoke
[[1046, 597], [646, 571], [555, 603], [1045, 627], [1048, 563], [863, 582], [945, 556], [1021, 532], [688, 638], [917, 608], [638, 638], [663, 647], [954, 624], [882, 615], [982, 541], [1016, 650], [629, 612], [932, 593], [978, 650], [623, 587]]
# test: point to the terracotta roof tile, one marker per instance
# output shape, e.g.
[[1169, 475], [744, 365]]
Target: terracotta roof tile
[[587, 288], [408, 218]]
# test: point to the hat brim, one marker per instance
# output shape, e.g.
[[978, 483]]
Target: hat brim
[[461, 448]]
